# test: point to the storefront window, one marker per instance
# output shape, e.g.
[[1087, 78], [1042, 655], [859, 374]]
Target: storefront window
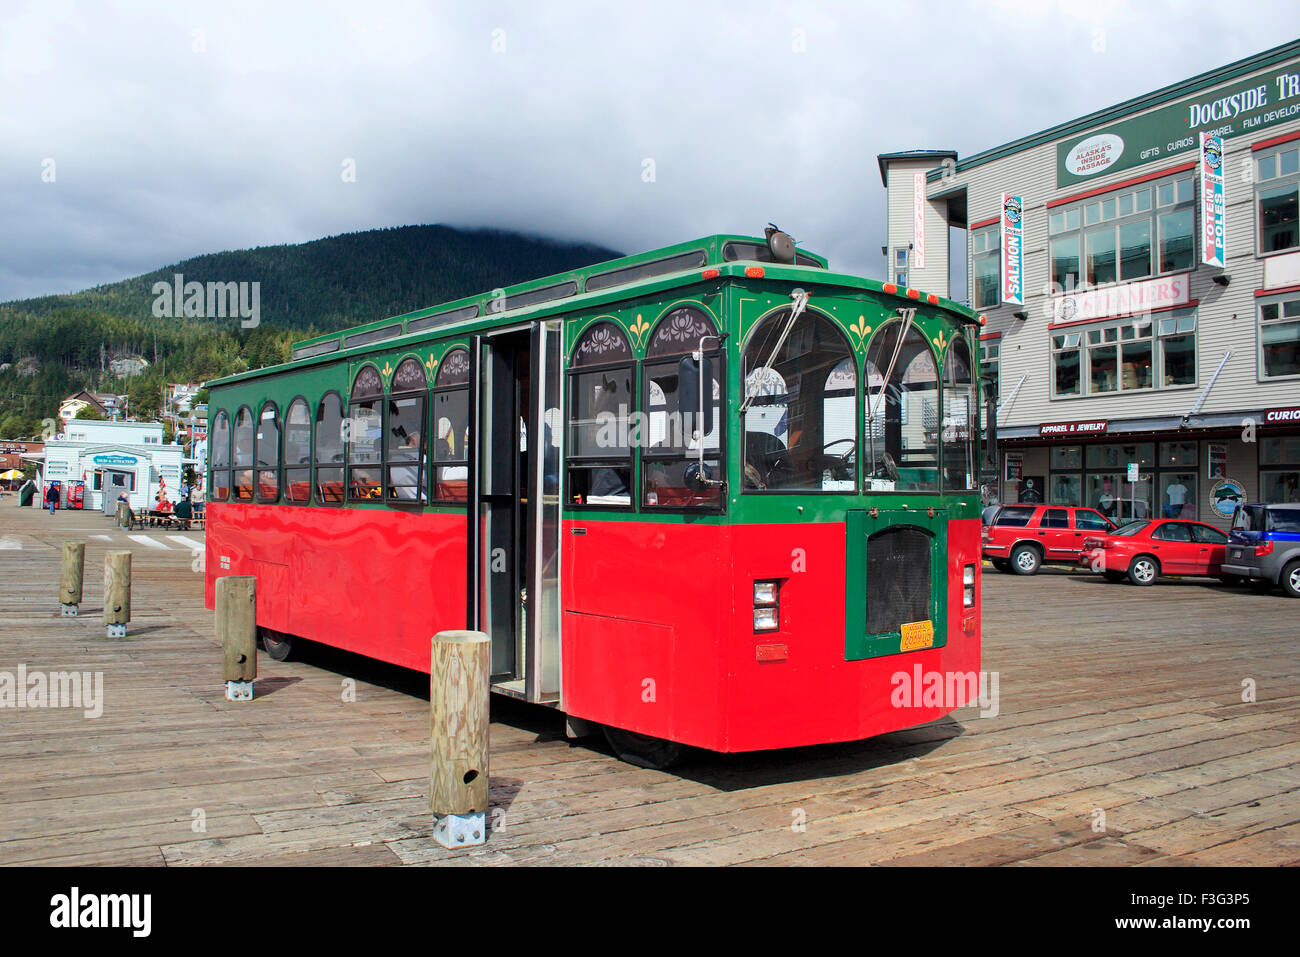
[[1279, 338], [1178, 348], [1119, 456], [1102, 360], [1066, 374], [1178, 453], [1178, 494], [1067, 457], [1066, 489], [1279, 472]]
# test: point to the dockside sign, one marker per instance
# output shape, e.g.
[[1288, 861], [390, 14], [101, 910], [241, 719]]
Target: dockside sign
[[1245, 107]]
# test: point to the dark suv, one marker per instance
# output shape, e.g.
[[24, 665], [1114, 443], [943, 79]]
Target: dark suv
[[1023, 538], [1264, 547]]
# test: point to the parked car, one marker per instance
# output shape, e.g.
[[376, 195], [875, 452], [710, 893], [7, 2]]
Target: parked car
[[1142, 551], [1023, 538], [1264, 547]]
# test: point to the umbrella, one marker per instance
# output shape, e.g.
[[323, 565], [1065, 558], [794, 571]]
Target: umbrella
[[11, 475]]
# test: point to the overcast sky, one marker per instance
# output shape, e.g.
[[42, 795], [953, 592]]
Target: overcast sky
[[180, 128]]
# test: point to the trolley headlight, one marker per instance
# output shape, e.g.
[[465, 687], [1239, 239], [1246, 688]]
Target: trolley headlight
[[968, 586], [767, 605]]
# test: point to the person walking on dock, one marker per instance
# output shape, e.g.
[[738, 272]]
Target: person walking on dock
[[52, 498]]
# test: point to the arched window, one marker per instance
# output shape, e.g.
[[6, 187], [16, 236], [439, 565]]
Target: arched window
[[365, 433], [451, 428], [219, 455], [670, 382], [600, 410], [297, 452], [902, 412], [960, 419], [793, 439], [267, 453], [404, 438], [329, 449], [244, 455]]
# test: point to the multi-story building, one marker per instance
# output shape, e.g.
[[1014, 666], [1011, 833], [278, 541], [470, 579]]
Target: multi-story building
[[1143, 363]]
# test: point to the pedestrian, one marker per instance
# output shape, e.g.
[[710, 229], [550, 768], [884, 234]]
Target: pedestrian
[[52, 498]]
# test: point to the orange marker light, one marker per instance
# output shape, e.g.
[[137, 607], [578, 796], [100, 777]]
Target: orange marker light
[[983, 320], [890, 288], [932, 299], [913, 294], [710, 274], [754, 272]]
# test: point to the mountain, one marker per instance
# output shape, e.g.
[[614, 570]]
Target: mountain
[[348, 279], [54, 346]]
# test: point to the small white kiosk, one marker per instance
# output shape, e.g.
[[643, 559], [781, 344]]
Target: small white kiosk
[[112, 458]]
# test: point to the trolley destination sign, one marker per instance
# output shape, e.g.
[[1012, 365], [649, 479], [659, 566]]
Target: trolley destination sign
[[1264, 100]]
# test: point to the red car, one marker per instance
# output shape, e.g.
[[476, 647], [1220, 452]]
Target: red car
[[1142, 551], [1022, 538]]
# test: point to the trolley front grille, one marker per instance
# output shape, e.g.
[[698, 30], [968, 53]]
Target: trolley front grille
[[898, 579]]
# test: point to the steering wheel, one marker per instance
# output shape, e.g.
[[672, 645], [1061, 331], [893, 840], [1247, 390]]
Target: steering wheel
[[891, 468], [844, 457]]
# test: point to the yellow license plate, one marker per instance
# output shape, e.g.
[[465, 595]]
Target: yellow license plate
[[917, 634]]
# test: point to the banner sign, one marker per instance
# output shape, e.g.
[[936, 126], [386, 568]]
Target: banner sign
[[1212, 238], [1126, 300], [1094, 427], [1013, 256], [112, 460], [918, 220], [1248, 106]]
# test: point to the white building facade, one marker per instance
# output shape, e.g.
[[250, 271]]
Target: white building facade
[[111, 458], [1143, 336]]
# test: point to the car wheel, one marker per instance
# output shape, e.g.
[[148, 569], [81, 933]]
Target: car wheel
[[1025, 560], [1002, 565], [1291, 579], [1143, 570], [1114, 576]]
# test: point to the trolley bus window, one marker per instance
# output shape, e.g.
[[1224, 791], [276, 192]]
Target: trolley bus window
[[451, 428], [267, 453], [902, 432], [960, 418], [600, 409], [365, 437], [670, 465], [795, 438], [329, 449], [405, 435], [221, 457], [244, 455], [297, 452]]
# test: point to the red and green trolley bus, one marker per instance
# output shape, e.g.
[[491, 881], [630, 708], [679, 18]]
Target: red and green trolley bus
[[715, 494]]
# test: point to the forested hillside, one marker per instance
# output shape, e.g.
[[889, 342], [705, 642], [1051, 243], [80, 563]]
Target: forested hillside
[[53, 346]]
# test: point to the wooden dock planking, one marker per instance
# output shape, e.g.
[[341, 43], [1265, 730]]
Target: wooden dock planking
[[1116, 698]]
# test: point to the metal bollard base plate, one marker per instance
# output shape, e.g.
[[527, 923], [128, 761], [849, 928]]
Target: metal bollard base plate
[[460, 830], [70, 611], [239, 691], [116, 631]]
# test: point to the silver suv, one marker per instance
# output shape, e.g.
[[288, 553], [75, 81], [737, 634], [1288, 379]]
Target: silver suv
[[1264, 547]]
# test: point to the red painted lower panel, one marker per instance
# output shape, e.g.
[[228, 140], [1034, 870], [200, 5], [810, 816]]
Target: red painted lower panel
[[377, 582]]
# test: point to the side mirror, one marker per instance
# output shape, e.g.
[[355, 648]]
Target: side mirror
[[695, 382]]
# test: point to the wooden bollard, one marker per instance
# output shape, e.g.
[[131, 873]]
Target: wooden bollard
[[460, 668], [117, 593], [121, 514], [74, 558], [237, 632]]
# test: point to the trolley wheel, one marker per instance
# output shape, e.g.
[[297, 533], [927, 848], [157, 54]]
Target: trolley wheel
[[1025, 560], [1114, 576], [643, 750], [1143, 570], [1291, 579], [1002, 565], [276, 644]]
